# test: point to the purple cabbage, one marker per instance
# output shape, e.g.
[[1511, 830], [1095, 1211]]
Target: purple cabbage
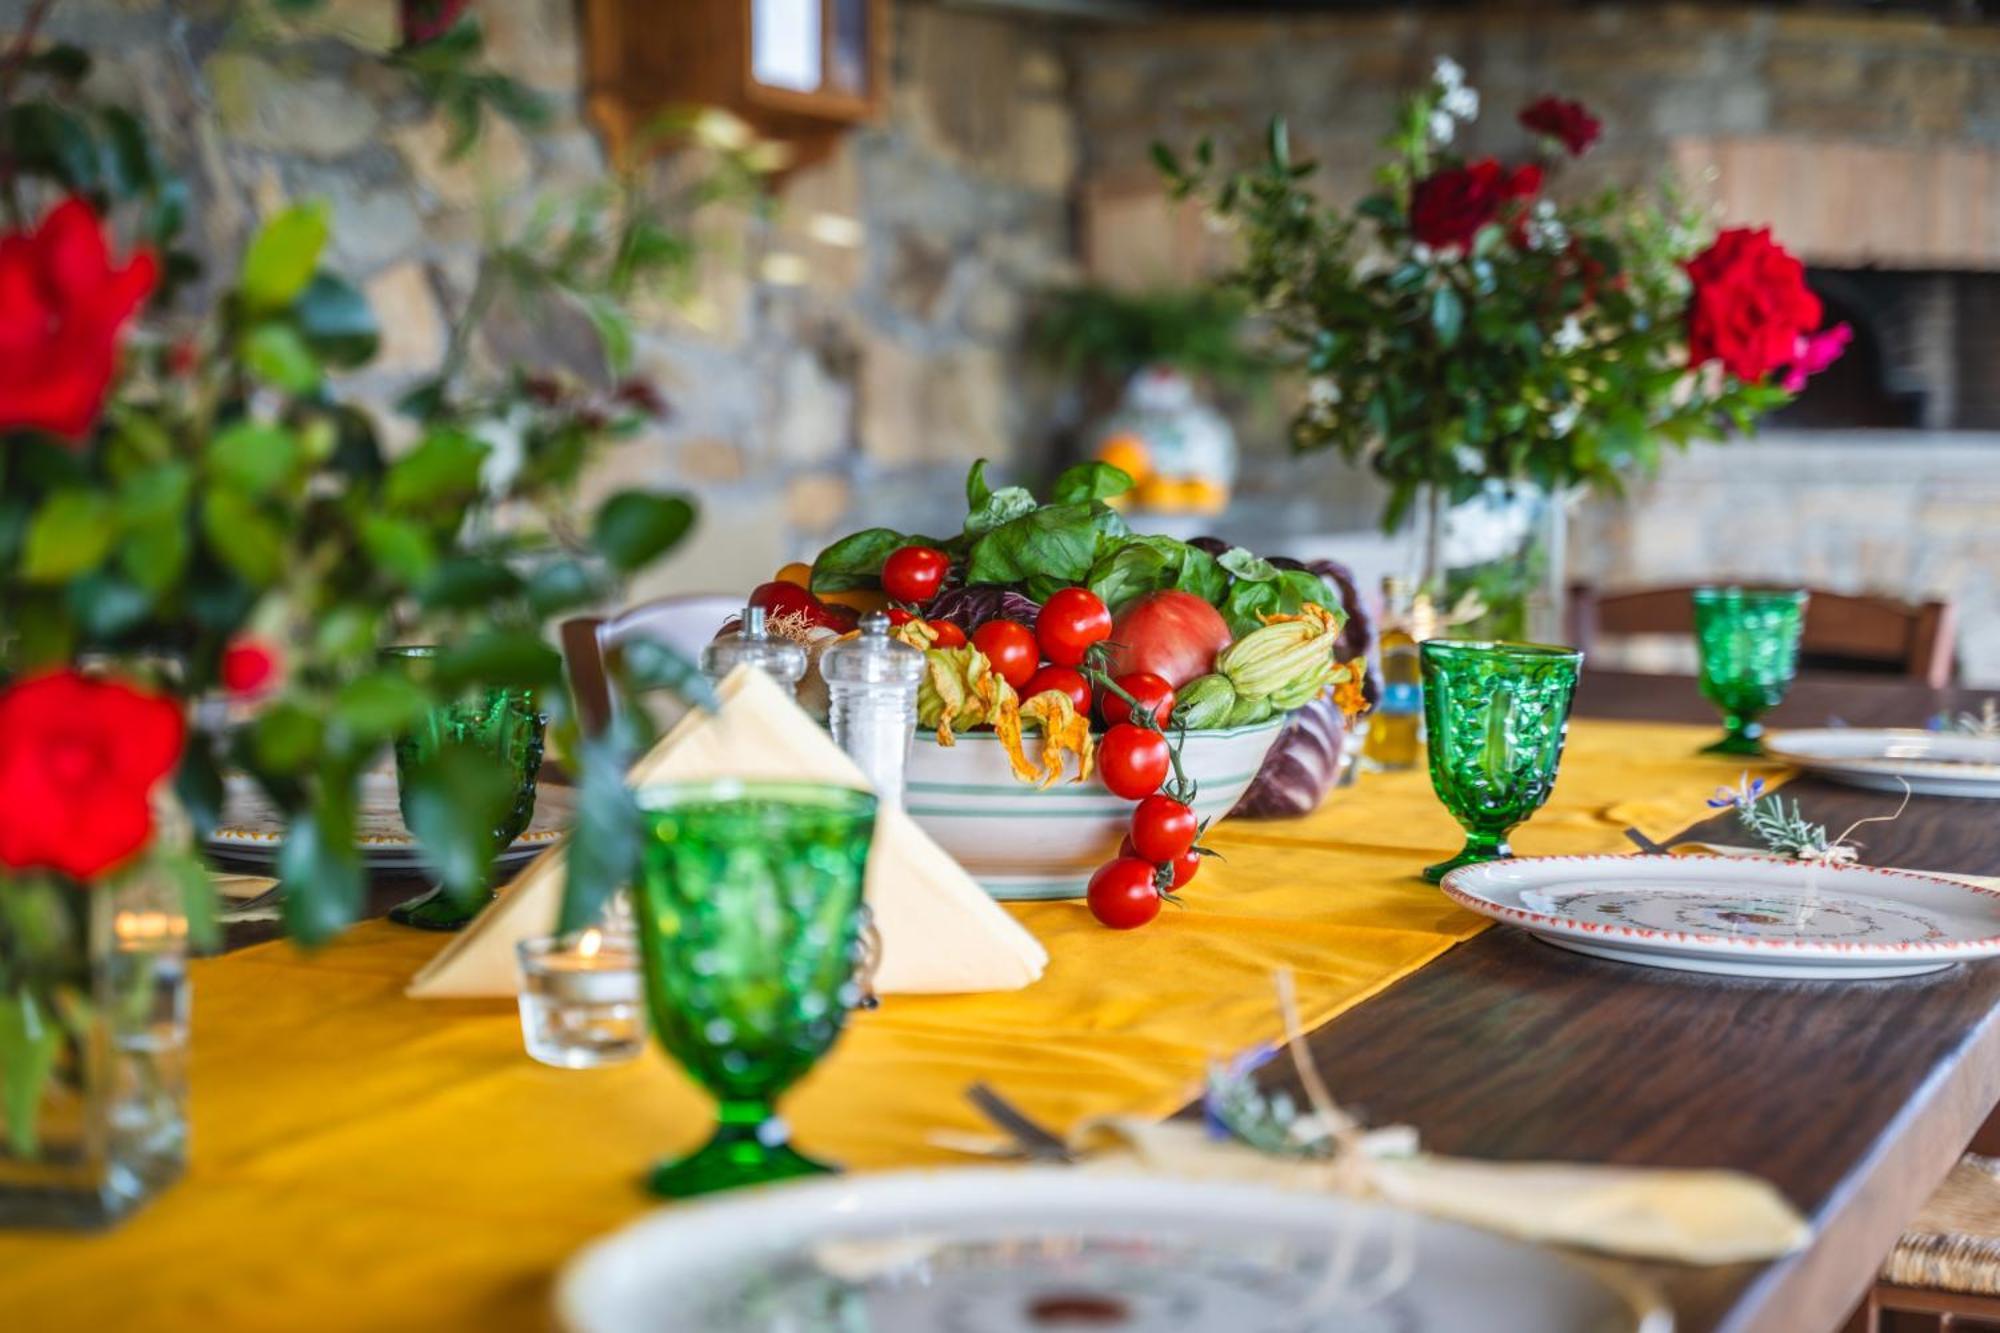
[[972, 606]]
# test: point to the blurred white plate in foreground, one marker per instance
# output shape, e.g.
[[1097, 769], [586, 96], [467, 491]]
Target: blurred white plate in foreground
[[1027, 1251]]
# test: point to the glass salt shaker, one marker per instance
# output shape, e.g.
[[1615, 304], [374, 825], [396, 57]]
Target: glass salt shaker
[[872, 682], [781, 659]]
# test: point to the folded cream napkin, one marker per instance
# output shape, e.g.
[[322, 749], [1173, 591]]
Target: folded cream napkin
[[940, 932], [1694, 1217]]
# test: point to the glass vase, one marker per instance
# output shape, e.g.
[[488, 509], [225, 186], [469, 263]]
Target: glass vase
[[93, 1046], [1495, 565]]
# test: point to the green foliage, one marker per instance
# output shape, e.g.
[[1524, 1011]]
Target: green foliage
[[1197, 330], [1551, 350], [227, 491]]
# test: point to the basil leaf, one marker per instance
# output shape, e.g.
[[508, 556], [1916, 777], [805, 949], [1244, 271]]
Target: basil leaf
[[977, 492], [1201, 575], [856, 561], [1001, 506], [1244, 565], [1299, 586], [1247, 601], [1090, 481], [1055, 542], [1129, 573]]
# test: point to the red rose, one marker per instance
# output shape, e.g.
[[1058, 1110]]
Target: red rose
[[62, 308], [1563, 120], [1448, 207], [79, 759], [428, 20], [249, 665], [1751, 305]]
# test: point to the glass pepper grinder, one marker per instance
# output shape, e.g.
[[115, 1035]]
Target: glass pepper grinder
[[871, 680], [781, 659]]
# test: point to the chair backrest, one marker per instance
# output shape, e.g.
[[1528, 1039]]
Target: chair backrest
[[1843, 631], [685, 624]]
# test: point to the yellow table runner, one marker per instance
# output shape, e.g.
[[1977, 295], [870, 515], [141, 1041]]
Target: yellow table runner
[[365, 1161]]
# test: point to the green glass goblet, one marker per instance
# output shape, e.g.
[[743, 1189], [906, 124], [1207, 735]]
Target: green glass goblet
[[749, 912], [502, 723], [1497, 715], [1749, 640]]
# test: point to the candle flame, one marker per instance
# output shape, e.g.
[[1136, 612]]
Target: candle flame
[[590, 942]]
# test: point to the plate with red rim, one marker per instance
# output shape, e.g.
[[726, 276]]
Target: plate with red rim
[[1739, 916]]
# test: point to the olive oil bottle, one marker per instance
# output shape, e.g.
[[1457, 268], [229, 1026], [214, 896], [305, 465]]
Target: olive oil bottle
[[1396, 727]]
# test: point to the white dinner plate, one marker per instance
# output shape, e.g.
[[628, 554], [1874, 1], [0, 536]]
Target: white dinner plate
[[1934, 763], [1027, 1251], [252, 829], [1739, 916]]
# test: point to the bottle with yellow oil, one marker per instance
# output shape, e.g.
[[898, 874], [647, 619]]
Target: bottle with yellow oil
[[1396, 725]]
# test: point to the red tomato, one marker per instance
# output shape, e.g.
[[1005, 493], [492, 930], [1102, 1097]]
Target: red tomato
[[1148, 689], [1133, 762], [898, 616], [1173, 634], [914, 573], [1122, 895], [1010, 648], [1062, 680], [1162, 829], [1184, 867], [789, 599], [948, 634], [1070, 621]]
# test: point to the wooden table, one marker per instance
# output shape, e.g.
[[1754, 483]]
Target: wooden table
[[1854, 1099]]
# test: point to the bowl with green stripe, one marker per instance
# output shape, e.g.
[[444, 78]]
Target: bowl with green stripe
[[1026, 842]]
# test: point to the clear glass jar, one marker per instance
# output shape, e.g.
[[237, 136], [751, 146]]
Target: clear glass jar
[[871, 683], [755, 645], [93, 1046]]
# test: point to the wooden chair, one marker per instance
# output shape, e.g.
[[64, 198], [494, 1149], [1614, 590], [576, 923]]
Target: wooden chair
[[1945, 1270], [1843, 632], [684, 623]]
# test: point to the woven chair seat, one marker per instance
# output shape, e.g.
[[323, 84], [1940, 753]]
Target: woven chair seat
[[1954, 1245]]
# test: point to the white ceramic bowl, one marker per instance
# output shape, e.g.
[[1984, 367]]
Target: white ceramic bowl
[[1020, 841]]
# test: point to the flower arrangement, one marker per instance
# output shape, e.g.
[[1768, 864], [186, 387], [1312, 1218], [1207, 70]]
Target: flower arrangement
[[190, 511], [1460, 326]]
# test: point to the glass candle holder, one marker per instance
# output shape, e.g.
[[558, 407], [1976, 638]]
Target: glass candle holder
[[582, 999], [1749, 640], [1497, 714]]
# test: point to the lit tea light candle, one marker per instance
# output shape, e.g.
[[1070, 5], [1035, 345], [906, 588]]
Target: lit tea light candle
[[582, 1000]]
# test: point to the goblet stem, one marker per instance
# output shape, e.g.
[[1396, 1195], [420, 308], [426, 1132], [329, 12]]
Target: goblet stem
[[750, 1146], [438, 910], [1478, 847], [1744, 736]]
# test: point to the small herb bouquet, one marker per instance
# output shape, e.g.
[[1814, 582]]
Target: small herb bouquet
[[1460, 326]]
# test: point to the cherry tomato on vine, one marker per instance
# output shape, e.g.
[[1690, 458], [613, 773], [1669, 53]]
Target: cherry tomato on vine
[[1010, 648], [1122, 895], [1132, 761], [1070, 621], [1150, 690], [914, 573], [1063, 680], [898, 616], [948, 634], [1184, 866], [1162, 829]]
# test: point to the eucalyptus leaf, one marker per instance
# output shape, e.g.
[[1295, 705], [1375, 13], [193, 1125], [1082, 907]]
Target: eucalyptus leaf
[[320, 869], [282, 257], [380, 705], [443, 468], [253, 457], [336, 322], [276, 354], [634, 528], [69, 535], [454, 802], [602, 855]]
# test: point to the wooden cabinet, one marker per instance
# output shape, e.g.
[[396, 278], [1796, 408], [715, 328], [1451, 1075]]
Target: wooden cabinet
[[799, 71]]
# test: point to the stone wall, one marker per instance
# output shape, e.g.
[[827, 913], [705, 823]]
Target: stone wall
[[840, 363]]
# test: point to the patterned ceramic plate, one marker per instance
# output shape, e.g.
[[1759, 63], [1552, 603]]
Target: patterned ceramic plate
[[1934, 763], [1739, 916], [252, 830], [989, 1251]]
